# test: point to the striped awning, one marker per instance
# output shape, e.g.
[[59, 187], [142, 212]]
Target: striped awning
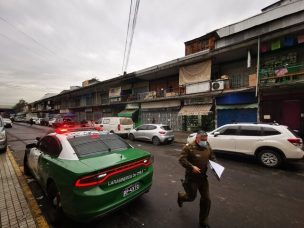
[[195, 110]]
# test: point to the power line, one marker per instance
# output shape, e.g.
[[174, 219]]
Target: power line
[[127, 36], [130, 34]]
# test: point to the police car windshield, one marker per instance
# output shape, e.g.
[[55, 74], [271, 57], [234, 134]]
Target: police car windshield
[[89, 145]]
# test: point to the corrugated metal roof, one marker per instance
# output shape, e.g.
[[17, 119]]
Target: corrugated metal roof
[[276, 13]]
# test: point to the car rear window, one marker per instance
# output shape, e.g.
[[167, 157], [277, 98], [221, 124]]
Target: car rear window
[[293, 132], [126, 121], [166, 128], [89, 145], [267, 131]]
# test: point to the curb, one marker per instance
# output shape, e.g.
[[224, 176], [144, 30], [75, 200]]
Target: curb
[[36, 212]]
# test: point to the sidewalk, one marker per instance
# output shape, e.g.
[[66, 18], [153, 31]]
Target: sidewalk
[[14, 209]]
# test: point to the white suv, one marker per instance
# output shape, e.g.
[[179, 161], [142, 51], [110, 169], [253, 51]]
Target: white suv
[[270, 143]]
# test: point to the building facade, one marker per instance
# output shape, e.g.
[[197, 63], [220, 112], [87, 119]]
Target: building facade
[[249, 71]]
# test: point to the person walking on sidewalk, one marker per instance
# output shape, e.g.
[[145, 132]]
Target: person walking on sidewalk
[[194, 158]]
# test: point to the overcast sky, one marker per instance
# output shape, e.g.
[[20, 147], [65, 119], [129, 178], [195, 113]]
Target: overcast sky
[[47, 46]]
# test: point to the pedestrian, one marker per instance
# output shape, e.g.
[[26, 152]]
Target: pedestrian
[[153, 120], [31, 121], [194, 158]]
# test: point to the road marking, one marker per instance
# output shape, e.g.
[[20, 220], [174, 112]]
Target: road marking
[[36, 212], [179, 150]]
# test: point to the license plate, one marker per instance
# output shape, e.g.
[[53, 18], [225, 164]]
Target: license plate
[[130, 189], [127, 129], [170, 139]]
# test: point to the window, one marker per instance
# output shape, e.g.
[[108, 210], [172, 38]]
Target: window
[[89, 145], [151, 127], [142, 127], [106, 121], [251, 131], [270, 131], [50, 145], [229, 131], [166, 128], [1, 123], [126, 121]]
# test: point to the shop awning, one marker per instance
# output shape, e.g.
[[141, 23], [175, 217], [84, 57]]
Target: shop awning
[[126, 113], [161, 104], [246, 106], [195, 110]]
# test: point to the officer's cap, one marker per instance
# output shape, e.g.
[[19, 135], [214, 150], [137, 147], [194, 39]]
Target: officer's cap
[[202, 133]]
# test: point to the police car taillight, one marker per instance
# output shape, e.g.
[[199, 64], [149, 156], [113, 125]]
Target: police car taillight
[[99, 178]]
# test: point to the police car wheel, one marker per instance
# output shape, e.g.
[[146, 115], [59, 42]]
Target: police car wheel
[[26, 168], [55, 212]]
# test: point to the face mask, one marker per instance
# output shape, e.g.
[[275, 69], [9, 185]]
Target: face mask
[[202, 144]]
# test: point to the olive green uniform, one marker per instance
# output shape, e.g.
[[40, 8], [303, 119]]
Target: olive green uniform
[[194, 155]]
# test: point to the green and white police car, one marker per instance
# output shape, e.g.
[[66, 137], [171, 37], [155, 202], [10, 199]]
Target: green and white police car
[[87, 173]]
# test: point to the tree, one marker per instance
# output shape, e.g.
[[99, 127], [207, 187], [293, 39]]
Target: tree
[[20, 106]]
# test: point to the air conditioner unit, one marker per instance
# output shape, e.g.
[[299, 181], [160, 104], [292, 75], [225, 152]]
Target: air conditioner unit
[[217, 85]]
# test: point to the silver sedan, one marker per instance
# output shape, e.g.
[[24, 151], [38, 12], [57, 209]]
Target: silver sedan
[[156, 133]]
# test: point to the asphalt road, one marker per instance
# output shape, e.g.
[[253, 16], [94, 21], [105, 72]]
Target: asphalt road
[[248, 194]]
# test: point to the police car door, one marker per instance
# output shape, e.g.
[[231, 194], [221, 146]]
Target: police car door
[[33, 158]]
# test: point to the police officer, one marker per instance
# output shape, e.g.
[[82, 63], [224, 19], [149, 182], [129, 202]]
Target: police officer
[[194, 158]]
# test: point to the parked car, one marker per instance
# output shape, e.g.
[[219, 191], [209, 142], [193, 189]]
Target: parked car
[[118, 125], [37, 120], [156, 133], [272, 144], [51, 121], [7, 122], [3, 139], [44, 121], [87, 173], [62, 122]]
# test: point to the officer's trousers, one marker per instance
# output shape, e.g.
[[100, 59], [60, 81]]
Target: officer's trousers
[[191, 185]]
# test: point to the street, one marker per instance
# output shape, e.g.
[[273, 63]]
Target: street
[[248, 195]]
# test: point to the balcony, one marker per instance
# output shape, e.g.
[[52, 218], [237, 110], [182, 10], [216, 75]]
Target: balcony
[[283, 75], [166, 93]]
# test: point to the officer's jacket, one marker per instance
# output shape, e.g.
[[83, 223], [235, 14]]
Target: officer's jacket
[[194, 155]]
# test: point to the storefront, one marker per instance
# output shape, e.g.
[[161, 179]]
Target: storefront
[[196, 117], [236, 108], [162, 112], [131, 111], [284, 106]]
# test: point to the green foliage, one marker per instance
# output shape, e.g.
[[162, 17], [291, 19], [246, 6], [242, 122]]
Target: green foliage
[[20, 106]]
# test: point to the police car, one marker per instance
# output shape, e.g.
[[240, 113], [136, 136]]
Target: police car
[[87, 173]]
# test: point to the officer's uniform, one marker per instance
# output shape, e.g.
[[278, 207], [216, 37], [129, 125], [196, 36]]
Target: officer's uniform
[[194, 155]]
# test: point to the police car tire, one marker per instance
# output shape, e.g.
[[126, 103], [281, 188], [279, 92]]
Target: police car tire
[[26, 169], [155, 140], [3, 150], [55, 212]]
